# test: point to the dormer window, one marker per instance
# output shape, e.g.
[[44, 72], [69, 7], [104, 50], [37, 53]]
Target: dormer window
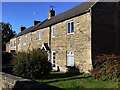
[[70, 27]]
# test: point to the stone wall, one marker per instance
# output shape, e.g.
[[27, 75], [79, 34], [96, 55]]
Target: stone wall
[[79, 42], [44, 37], [10, 82], [32, 40]]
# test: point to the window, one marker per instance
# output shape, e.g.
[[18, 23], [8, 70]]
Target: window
[[70, 27], [39, 35], [11, 44], [25, 39], [70, 58], [19, 41], [53, 31], [30, 36], [14, 43]]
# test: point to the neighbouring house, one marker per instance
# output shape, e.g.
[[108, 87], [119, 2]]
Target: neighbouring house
[[73, 38]]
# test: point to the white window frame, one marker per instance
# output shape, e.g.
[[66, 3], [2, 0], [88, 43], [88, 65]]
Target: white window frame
[[11, 43], [70, 57], [25, 39], [31, 36], [18, 41], [39, 35], [53, 31], [70, 28], [14, 43]]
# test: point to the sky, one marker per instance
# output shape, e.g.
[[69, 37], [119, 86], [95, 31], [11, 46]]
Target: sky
[[24, 13]]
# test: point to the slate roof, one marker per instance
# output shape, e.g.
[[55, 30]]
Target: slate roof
[[30, 29], [75, 11]]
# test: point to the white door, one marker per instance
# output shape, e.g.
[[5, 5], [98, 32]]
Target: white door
[[70, 58], [53, 60]]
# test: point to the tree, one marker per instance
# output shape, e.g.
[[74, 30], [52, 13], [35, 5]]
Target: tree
[[7, 33]]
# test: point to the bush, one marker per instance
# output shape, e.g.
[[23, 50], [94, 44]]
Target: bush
[[6, 58], [106, 67], [31, 64]]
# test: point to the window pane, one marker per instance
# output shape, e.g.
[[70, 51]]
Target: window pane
[[68, 28], [25, 39], [54, 54], [39, 35], [53, 65], [72, 26], [31, 36], [53, 57], [53, 31]]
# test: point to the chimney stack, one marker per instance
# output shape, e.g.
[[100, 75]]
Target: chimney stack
[[36, 22], [22, 28], [51, 12]]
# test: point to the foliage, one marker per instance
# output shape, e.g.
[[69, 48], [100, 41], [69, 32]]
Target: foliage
[[106, 67], [6, 58], [7, 33], [31, 64]]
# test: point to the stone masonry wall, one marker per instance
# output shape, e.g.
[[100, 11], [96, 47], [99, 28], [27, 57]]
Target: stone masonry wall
[[10, 82], [79, 42], [32, 40]]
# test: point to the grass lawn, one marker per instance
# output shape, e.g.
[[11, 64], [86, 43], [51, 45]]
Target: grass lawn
[[68, 81]]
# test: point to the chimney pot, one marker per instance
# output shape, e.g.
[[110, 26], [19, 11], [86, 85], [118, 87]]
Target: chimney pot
[[36, 22], [22, 28], [51, 12]]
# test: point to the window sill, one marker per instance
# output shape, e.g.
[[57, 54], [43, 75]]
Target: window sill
[[39, 39], [70, 66], [13, 47], [70, 33], [24, 44], [53, 36]]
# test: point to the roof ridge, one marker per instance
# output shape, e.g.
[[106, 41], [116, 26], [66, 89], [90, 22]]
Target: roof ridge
[[74, 11]]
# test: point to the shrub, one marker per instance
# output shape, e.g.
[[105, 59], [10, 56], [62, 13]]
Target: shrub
[[31, 64], [106, 67], [6, 58]]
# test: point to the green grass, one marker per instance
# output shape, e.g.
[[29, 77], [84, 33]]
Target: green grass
[[68, 81]]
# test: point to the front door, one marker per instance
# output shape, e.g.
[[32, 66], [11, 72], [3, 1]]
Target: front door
[[53, 60], [70, 58]]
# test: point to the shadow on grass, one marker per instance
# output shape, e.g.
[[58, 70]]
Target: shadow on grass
[[33, 85], [58, 76], [71, 72], [67, 78], [55, 75]]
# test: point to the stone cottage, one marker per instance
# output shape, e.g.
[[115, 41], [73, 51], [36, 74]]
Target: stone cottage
[[74, 37]]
